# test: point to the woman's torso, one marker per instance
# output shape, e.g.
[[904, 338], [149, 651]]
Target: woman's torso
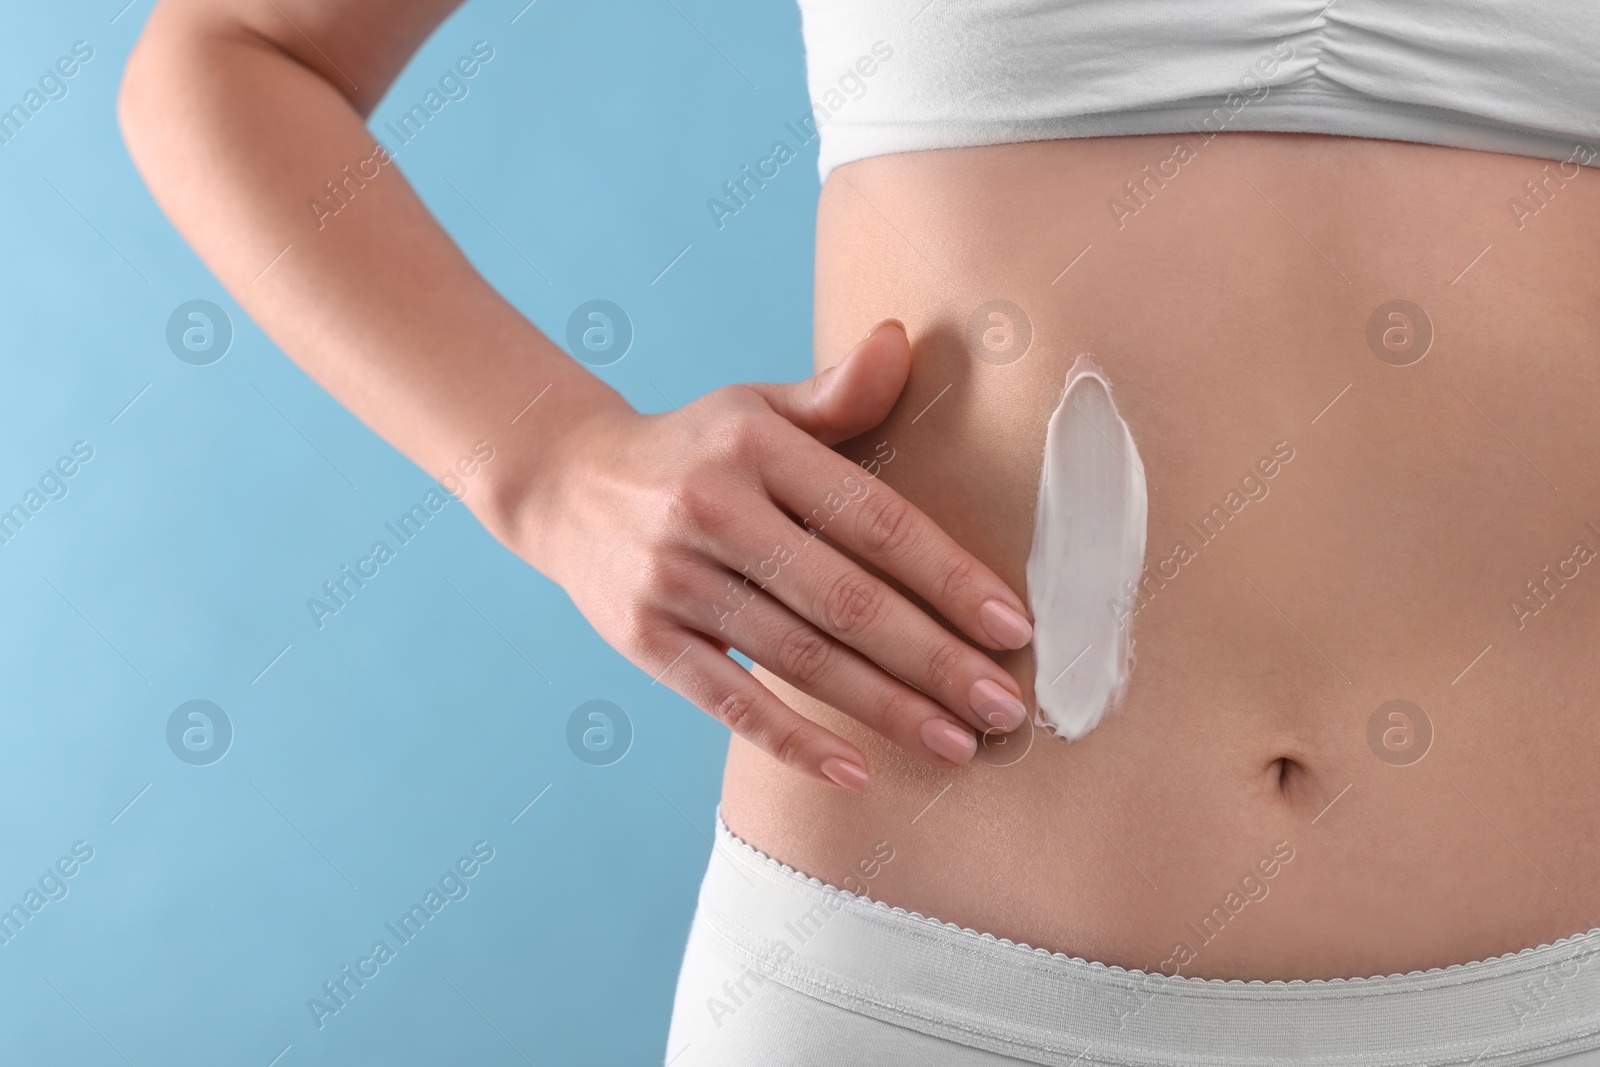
[[1231, 306]]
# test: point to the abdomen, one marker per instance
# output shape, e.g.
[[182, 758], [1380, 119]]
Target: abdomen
[[1426, 469]]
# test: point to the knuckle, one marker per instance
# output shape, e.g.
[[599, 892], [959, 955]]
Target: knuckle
[[957, 582], [804, 655], [737, 710], [742, 437], [789, 746], [635, 635], [852, 602], [698, 503], [736, 396], [945, 660], [898, 706], [888, 522], [666, 579], [645, 637]]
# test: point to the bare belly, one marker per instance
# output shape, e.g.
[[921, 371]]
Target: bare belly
[[1381, 561]]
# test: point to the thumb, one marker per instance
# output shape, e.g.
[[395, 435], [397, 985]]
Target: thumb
[[851, 397]]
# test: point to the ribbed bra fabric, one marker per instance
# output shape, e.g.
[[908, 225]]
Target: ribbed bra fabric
[[1495, 75]]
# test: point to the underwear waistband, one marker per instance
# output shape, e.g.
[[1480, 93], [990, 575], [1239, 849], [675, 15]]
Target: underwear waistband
[[986, 992]]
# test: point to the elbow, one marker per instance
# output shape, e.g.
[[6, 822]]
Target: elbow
[[139, 97], [171, 72], [132, 111]]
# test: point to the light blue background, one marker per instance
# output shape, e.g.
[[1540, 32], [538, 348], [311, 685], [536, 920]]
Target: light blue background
[[375, 751]]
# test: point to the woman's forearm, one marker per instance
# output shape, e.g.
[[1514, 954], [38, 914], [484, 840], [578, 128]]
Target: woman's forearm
[[238, 140], [675, 535]]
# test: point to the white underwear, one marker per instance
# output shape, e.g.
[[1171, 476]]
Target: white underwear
[[782, 969]]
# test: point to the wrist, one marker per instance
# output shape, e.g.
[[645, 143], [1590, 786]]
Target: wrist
[[527, 494]]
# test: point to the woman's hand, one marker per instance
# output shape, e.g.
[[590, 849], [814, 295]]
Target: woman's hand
[[680, 535], [651, 523]]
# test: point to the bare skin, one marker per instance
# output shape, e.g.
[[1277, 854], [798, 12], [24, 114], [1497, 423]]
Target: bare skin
[[1378, 565], [650, 523]]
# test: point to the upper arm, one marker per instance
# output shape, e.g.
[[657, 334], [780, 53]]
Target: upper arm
[[357, 46]]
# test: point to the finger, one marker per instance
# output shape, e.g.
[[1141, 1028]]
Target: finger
[[816, 664], [823, 586], [863, 515], [727, 692], [852, 396]]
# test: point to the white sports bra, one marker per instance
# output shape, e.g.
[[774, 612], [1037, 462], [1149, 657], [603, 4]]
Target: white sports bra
[[1497, 75]]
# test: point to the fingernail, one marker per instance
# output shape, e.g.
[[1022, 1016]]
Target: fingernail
[[949, 740], [1004, 625], [995, 706], [881, 325], [844, 773]]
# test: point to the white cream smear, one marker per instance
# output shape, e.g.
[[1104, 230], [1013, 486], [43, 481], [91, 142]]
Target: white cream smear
[[1087, 555]]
